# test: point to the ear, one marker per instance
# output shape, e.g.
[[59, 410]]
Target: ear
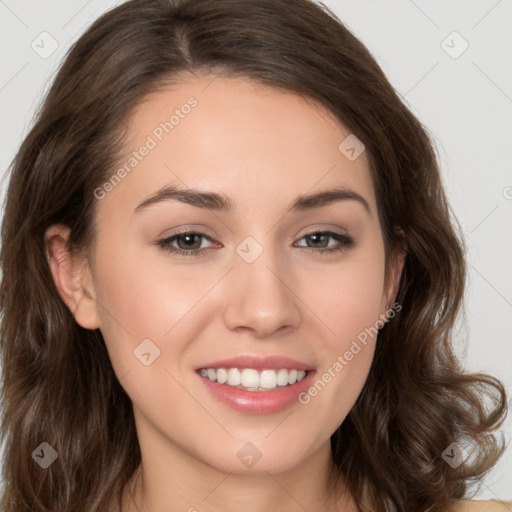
[[394, 271], [72, 277]]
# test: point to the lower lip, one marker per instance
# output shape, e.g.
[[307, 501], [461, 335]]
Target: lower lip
[[258, 402]]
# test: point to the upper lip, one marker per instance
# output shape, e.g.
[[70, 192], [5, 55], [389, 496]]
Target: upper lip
[[258, 363]]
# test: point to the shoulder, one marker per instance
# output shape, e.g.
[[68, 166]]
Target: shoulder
[[482, 506]]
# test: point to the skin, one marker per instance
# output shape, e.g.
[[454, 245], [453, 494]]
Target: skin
[[262, 148]]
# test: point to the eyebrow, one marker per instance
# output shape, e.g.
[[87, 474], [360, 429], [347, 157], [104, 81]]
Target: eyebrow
[[222, 203]]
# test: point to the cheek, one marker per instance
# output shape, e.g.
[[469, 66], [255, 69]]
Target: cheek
[[348, 296], [141, 296], [348, 299], [131, 309], [138, 291], [345, 366]]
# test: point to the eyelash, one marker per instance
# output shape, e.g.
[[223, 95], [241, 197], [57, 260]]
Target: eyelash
[[346, 242]]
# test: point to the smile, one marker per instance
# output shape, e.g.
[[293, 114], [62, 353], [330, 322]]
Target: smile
[[251, 379]]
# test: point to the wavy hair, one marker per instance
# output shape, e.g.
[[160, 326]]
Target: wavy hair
[[58, 384]]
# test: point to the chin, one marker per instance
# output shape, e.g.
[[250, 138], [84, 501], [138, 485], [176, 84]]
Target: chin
[[259, 456]]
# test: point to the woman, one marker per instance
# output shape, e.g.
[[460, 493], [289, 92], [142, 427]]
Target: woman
[[231, 276]]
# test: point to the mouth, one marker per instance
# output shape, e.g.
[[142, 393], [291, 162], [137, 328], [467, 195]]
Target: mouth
[[251, 379], [256, 385]]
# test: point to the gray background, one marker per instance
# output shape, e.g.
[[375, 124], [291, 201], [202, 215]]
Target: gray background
[[465, 101]]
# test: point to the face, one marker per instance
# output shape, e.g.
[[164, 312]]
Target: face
[[274, 275]]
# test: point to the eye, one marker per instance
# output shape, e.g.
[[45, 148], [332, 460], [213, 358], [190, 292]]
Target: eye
[[319, 239], [189, 244]]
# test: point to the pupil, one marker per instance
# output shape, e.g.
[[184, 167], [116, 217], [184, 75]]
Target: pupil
[[316, 237], [188, 239]]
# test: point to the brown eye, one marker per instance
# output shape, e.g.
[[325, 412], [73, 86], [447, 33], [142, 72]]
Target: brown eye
[[188, 243]]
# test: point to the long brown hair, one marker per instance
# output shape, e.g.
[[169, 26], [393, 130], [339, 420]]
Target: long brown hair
[[58, 385]]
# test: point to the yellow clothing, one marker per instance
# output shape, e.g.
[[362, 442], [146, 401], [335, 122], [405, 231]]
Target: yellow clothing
[[483, 506]]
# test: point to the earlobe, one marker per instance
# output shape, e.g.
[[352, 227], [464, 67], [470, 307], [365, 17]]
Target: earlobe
[[72, 277]]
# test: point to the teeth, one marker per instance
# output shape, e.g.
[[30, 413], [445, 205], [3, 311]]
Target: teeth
[[254, 380], [250, 378], [282, 377], [234, 377], [222, 376], [267, 379]]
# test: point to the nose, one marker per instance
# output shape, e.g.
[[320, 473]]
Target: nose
[[261, 297]]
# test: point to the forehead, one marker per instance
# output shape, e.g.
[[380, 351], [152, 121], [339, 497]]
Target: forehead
[[238, 136]]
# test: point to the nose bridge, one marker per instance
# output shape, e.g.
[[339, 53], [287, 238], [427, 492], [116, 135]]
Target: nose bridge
[[260, 296]]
